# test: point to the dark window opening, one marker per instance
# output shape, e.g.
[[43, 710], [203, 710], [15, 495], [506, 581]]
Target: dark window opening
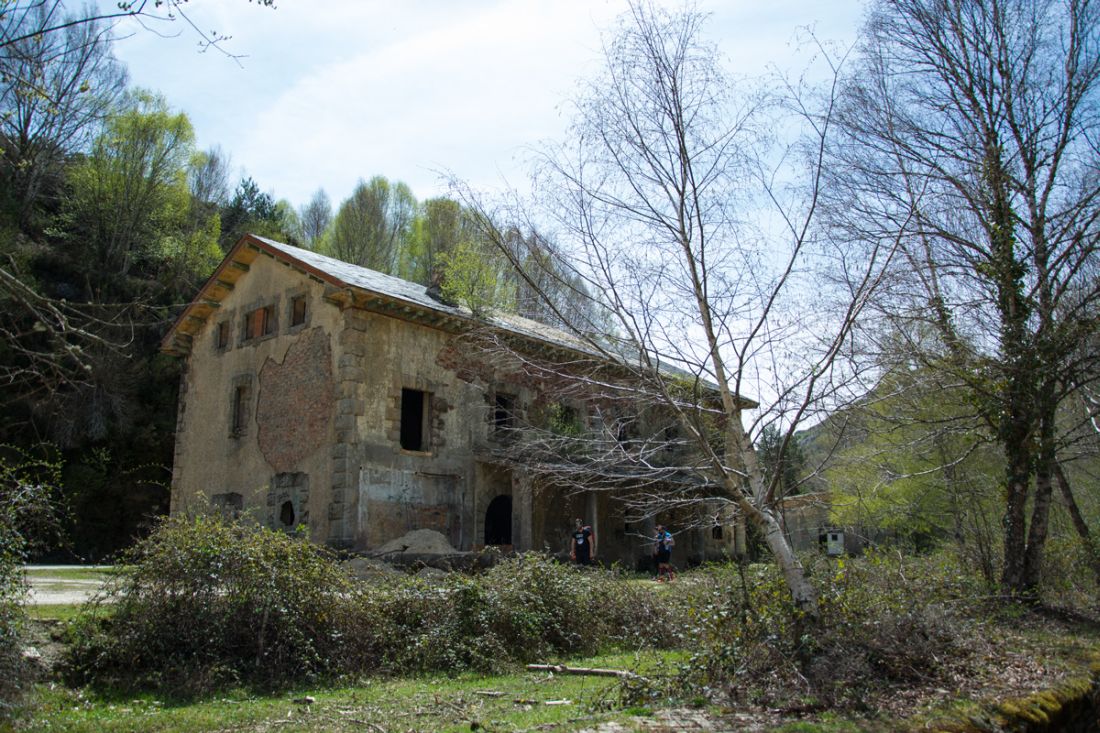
[[297, 310], [260, 322], [240, 410], [498, 521], [286, 514], [415, 405], [223, 334], [504, 411], [716, 532]]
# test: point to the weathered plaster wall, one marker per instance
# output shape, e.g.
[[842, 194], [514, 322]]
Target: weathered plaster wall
[[321, 442], [282, 454], [395, 490]]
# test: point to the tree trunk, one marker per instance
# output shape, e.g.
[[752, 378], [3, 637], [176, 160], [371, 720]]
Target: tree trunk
[[1017, 479], [803, 593], [1040, 511], [762, 509], [1078, 519]]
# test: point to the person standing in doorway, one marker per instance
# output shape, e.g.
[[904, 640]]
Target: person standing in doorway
[[582, 549], [662, 553]]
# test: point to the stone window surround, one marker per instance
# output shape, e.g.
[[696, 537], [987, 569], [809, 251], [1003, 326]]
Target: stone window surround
[[239, 428], [431, 438], [290, 295], [242, 320]]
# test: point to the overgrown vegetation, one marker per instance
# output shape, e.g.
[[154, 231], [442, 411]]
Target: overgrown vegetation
[[204, 603], [27, 513]]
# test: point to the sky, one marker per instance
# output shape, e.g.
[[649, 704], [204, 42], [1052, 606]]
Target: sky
[[328, 92]]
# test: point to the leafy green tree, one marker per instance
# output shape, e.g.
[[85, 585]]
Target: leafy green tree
[[915, 468], [130, 193], [471, 276], [372, 227], [251, 211]]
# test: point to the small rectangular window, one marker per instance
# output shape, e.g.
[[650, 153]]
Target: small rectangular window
[[415, 406], [504, 413], [260, 322], [223, 334], [240, 410], [297, 310]]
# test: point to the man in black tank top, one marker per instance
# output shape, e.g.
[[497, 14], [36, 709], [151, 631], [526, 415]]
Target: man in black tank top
[[582, 548]]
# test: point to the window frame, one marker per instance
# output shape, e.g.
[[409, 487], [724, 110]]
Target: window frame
[[240, 406], [259, 323], [422, 420], [222, 335], [293, 321]]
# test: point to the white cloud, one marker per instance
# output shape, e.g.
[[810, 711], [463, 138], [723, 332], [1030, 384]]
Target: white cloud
[[334, 91]]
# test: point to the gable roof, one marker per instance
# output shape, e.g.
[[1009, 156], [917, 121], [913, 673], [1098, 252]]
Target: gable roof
[[351, 285], [348, 284]]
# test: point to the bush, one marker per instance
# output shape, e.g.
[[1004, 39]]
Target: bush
[[26, 511], [524, 609], [203, 602], [885, 620]]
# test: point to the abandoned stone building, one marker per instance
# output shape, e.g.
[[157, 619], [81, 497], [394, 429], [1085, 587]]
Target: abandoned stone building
[[321, 394]]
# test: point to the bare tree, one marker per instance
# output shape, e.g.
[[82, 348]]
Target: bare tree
[[208, 178], [56, 90], [653, 202], [25, 20], [970, 134], [316, 218]]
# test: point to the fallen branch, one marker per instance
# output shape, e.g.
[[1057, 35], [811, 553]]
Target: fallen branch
[[589, 671]]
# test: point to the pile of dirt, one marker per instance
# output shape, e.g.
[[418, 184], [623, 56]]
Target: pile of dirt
[[366, 568], [418, 542], [426, 548]]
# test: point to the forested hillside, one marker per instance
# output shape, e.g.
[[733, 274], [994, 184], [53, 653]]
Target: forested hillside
[[111, 216]]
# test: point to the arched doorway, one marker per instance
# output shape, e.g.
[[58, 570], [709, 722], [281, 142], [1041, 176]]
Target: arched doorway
[[498, 521]]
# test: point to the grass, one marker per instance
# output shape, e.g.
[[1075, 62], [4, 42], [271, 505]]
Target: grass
[[1012, 652], [516, 701], [53, 612]]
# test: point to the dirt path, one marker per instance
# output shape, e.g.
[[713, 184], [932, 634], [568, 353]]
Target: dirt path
[[52, 585]]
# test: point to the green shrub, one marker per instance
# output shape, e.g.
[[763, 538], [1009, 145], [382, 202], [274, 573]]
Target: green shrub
[[203, 602], [27, 484], [524, 609]]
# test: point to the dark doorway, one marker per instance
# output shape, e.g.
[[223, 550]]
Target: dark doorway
[[498, 521], [286, 514]]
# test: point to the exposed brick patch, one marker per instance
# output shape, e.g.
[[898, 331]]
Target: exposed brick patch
[[296, 401]]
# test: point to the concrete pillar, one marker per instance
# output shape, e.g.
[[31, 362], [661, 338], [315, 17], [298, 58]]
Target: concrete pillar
[[592, 517], [522, 511], [645, 556]]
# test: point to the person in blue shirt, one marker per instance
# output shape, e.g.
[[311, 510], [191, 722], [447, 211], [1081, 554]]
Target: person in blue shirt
[[662, 553]]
